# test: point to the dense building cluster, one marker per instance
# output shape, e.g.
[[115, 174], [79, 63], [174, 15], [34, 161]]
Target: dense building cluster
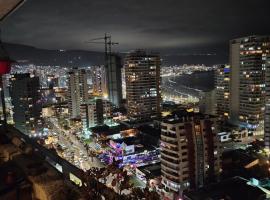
[[117, 115]]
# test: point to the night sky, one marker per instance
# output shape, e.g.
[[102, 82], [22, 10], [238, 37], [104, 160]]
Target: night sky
[[176, 27]]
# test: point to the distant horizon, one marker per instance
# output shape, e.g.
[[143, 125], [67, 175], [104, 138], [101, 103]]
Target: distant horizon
[[22, 53], [169, 27]]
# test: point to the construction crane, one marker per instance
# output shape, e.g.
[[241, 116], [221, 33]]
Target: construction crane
[[108, 58], [107, 45]]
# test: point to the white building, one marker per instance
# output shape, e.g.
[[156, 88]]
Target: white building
[[247, 80], [94, 112], [77, 91]]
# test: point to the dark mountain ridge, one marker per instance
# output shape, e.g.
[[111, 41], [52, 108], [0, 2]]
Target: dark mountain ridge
[[83, 58]]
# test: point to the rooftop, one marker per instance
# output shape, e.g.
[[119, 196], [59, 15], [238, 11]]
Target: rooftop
[[151, 171], [107, 131], [184, 116]]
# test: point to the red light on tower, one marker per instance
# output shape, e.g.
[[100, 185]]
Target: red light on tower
[[5, 66], [5, 61], [7, 8]]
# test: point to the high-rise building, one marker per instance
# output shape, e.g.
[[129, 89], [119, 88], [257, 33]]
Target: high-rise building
[[77, 91], [190, 151], [27, 108], [207, 104], [94, 112], [222, 84], [99, 81], [114, 79], [247, 84], [124, 92], [142, 73], [267, 104]]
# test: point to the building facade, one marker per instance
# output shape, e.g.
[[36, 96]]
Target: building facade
[[99, 81], [77, 91], [207, 104], [267, 104], [190, 151], [27, 108], [247, 86], [142, 74], [222, 84], [94, 112], [114, 79]]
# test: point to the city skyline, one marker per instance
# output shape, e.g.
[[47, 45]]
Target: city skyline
[[133, 126]]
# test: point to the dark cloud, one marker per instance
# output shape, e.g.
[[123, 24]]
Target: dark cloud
[[164, 25]]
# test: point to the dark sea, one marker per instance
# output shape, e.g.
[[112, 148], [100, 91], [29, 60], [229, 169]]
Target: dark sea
[[191, 83]]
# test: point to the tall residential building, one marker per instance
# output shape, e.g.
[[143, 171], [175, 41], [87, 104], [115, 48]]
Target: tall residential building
[[27, 108], [77, 91], [114, 79], [99, 81], [222, 84], [247, 86], [142, 73], [94, 112], [190, 151], [267, 104], [207, 104], [124, 92]]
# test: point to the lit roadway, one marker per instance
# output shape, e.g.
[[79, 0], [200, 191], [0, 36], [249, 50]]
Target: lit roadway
[[74, 148]]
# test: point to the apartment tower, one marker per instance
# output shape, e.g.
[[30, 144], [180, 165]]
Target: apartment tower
[[99, 81], [114, 79], [95, 112], [247, 84], [190, 151], [77, 91], [267, 103], [142, 74], [222, 84], [27, 107]]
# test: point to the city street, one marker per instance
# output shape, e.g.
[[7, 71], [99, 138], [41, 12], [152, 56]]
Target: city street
[[73, 149]]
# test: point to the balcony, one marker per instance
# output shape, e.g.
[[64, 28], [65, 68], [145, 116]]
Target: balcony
[[170, 174], [170, 143], [167, 159], [171, 154], [170, 149], [168, 135], [170, 167]]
